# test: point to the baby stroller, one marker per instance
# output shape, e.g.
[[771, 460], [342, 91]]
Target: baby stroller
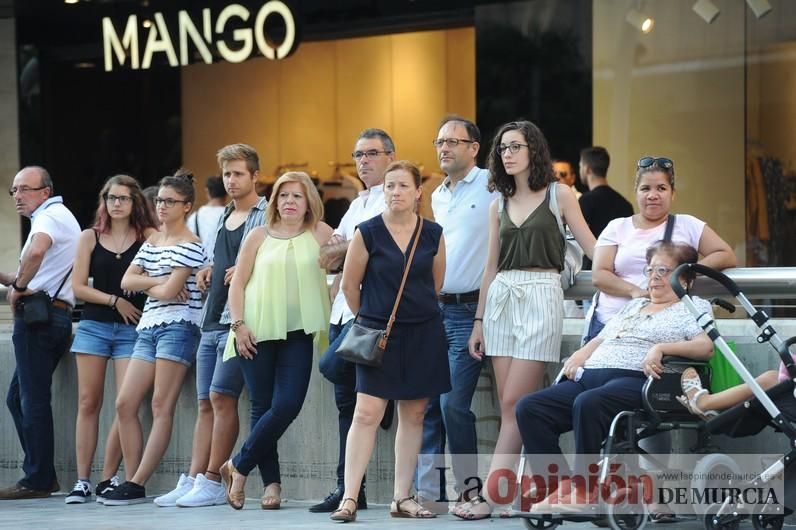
[[775, 407]]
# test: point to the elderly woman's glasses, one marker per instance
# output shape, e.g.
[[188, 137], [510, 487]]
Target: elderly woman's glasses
[[652, 161], [660, 272]]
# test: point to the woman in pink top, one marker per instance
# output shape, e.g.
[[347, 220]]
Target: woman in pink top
[[620, 251]]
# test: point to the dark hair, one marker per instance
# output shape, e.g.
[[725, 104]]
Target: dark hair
[[379, 134], [407, 166], [215, 187], [541, 167], [597, 158], [679, 252], [473, 132], [141, 215], [640, 172], [182, 182]]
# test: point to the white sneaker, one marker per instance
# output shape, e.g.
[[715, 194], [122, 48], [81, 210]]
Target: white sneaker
[[184, 485], [205, 492]]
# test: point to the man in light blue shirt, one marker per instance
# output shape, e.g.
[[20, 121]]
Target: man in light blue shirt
[[461, 206]]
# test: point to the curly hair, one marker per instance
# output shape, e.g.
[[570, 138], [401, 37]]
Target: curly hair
[[141, 215], [541, 164]]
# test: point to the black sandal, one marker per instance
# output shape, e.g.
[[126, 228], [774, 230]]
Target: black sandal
[[343, 514]]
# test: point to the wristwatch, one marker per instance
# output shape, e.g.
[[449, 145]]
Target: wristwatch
[[17, 287]]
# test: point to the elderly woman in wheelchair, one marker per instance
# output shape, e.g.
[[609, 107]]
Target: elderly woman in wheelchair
[[606, 375]]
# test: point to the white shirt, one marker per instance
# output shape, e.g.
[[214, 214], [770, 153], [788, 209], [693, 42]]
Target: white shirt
[[55, 220], [367, 205], [204, 223], [464, 216]]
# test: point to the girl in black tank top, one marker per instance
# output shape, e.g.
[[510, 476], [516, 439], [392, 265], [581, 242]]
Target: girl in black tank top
[[107, 325]]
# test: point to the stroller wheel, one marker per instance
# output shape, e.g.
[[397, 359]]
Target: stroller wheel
[[719, 522], [539, 524], [767, 522], [626, 511]]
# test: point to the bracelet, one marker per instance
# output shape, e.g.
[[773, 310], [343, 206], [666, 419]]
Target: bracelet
[[478, 319], [115, 300], [235, 325], [17, 288]]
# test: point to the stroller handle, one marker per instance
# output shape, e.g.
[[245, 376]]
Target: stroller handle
[[713, 274]]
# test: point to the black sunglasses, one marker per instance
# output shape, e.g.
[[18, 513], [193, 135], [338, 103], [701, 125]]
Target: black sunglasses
[[650, 161]]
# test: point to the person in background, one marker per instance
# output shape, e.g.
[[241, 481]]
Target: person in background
[[415, 366], [278, 301], [374, 150], [219, 383], [150, 192], [45, 264], [564, 171], [107, 325], [461, 207], [168, 332], [204, 221], [519, 319]]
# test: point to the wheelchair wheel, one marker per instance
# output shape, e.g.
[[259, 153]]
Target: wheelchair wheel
[[539, 524], [624, 515], [767, 522], [715, 464]]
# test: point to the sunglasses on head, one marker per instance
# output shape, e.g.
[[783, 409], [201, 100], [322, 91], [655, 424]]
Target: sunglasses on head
[[650, 161]]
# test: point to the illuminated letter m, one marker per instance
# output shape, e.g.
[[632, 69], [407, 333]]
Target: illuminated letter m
[[129, 42]]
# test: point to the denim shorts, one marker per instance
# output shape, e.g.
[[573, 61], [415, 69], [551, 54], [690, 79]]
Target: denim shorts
[[105, 339], [212, 373], [173, 341]]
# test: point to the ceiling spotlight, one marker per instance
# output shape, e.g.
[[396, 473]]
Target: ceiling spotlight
[[707, 10], [147, 23], [71, 1], [640, 21], [759, 7]]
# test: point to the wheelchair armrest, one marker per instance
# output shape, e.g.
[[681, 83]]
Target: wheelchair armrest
[[683, 361]]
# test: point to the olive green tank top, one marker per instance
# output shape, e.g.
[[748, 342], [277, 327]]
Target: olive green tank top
[[536, 243]]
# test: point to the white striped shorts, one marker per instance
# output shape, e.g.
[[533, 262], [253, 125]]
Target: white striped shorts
[[524, 316]]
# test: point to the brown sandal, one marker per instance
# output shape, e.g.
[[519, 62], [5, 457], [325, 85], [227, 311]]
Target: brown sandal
[[417, 511], [343, 514], [234, 499], [272, 497]]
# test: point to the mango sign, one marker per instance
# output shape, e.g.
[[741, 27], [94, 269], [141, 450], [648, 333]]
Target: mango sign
[[119, 49]]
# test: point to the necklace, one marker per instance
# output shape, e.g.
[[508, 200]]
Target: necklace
[[120, 248]]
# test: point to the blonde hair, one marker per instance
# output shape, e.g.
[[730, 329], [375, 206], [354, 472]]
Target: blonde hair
[[314, 204]]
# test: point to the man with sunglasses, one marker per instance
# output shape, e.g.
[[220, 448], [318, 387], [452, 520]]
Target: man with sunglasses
[[373, 152], [45, 265], [565, 173], [461, 206]]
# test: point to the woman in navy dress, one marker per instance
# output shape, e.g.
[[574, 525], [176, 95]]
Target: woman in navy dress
[[415, 364]]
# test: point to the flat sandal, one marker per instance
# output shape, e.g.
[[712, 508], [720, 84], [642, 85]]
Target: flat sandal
[[343, 514], [396, 509]]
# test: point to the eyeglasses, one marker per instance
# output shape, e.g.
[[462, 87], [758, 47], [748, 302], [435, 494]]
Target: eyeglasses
[[168, 202], [451, 142], [562, 175], [370, 153], [23, 189], [650, 161], [124, 199], [513, 147], [660, 271]]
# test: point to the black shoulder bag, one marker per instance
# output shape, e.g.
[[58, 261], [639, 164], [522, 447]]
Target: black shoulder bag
[[36, 307]]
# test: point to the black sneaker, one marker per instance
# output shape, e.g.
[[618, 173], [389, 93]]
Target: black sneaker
[[105, 487], [126, 493], [81, 492]]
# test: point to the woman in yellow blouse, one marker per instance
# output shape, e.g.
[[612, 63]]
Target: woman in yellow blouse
[[278, 301]]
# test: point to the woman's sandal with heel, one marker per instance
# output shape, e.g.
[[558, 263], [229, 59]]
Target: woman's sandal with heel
[[343, 514]]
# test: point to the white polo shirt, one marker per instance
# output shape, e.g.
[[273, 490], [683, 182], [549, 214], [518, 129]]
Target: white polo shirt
[[464, 216], [55, 220], [367, 205]]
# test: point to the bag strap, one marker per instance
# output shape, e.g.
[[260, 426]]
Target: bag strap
[[62, 283], [552, 203], [383, 339], [667, 235]]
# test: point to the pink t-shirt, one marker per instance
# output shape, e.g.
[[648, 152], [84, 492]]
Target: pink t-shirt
[[631, 253]]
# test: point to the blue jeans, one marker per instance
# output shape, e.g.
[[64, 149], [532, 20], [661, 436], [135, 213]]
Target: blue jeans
[[277, 379], [451, 414], [37, 350]]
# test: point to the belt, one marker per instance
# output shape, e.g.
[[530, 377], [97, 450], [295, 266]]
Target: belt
[[458, 298], [61, 304]]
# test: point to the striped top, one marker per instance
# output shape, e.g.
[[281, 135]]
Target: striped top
[[161, 261]]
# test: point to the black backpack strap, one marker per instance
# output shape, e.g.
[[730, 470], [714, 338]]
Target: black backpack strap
[[667, 235]]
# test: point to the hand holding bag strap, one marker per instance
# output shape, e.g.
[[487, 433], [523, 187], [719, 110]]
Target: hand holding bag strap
[[383, 340]]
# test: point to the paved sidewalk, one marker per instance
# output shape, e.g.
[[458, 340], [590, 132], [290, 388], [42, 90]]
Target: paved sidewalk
[[53, 513]]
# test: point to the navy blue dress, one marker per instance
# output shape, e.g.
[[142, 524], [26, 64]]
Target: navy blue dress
[[416, 360]]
